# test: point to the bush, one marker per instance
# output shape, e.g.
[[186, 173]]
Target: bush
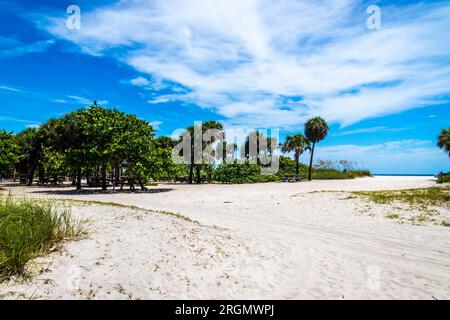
[[241, 173], [29, 228], [443, 177]]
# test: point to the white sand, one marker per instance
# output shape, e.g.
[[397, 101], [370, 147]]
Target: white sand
[[272, 241]]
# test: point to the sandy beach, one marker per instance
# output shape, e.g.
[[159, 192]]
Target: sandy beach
[[307, 240]]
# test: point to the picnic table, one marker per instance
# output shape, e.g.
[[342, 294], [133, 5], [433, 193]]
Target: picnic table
[[97, 181], [181, 179], [291, 178], [130, 181], [23, 179], [51, 180]]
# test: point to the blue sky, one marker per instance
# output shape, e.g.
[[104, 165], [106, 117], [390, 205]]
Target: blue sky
[[250, 64]]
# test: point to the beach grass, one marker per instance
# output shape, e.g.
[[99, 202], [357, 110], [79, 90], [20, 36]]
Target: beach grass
[[29, 228], [132, 207], [434, 196]]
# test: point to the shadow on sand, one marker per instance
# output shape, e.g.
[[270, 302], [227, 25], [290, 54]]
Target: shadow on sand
[[70, 190], [86, 191]]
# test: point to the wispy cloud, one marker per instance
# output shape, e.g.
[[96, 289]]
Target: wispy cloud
[[369, 130], [274, 63], [155, 124], [33, 126], [60, 101], [13, 47], [401, 156], [85, 101], [152, 84], [67, 99], [12, 119], [10, 89], [140, 82]]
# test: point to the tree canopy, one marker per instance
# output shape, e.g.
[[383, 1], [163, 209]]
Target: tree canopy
[[444, 140]]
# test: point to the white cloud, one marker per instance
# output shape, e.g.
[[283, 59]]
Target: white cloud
[[11, 89], [12, 119], [86, 101], [140, 82], [13, 47], [152, 84], [246, 59], [155, 124], [34, 126], [59, 100], [369, 130], [403, 156]]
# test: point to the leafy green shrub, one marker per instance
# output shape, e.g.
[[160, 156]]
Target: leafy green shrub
[[251, 173], [287, 166], [443, 177], [29, 228], [241, 173]]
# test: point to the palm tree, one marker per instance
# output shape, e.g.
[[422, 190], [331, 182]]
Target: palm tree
[[205, 127], [297, 143], [444, 140], [316, 129]]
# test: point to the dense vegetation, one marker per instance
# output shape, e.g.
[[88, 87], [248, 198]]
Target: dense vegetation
[[242, 173], [30, 228], [91, 142], [102, 145], [443, 178]]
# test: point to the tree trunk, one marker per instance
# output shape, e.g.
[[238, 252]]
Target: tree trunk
[[142, 185], [209, 175], [197, 168], [310, 162], [297, 166], [88, 177], [79, 179], [117, 175], [30, 177], [104, 188], [191, 173]]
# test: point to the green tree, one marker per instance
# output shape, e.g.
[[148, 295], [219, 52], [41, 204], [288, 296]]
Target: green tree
[[169, 169], [316, 129], [105, 138], [29, 144], [444, 140], [296, 143], [68, 136], [192, 133], [8, 153], [133, 142]]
